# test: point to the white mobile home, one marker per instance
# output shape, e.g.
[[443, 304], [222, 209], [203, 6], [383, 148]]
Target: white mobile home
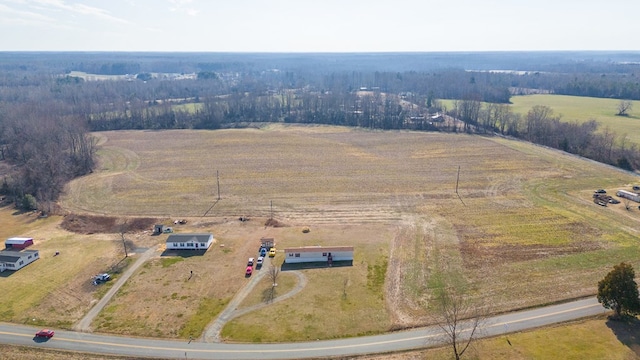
[[189, 241], [16, 260], [327, 254], [628, 195]]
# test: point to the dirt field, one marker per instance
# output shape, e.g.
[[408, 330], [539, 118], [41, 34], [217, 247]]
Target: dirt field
[[521, 230]]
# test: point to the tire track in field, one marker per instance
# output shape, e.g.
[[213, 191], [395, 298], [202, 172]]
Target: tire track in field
[[87, 192]]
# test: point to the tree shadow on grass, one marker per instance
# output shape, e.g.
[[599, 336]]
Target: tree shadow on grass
[[627, 330], [269, 294]]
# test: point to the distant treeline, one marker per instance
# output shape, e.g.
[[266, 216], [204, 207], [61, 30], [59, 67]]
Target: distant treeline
[[46, 118]]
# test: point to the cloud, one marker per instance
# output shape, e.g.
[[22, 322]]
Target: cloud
[[183, 6], [10, 15], [80, 9]]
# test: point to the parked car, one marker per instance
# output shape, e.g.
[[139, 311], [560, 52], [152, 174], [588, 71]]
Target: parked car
[[250, 262], [272, 252], [260, 261], [600, 191], [45, 333], [636, 187], [263, 251], [249, 271], [100, 278]]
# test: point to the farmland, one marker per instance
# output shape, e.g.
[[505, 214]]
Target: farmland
[[581, 109], [522, 232]]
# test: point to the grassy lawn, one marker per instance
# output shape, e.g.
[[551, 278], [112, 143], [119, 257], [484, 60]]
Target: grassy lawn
[[262, 293], [353, 295], [53, 290]]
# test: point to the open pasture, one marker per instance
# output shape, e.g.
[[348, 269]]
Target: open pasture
[[582, 109], [521, 230]]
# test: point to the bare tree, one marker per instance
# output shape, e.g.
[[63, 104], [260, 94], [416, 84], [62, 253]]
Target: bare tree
[[273, 274], [623, 107], [460, 319]]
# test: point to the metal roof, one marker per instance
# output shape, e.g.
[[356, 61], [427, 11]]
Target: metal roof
[[183, 238]]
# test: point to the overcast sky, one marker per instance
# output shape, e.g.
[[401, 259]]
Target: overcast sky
[[318, 25]]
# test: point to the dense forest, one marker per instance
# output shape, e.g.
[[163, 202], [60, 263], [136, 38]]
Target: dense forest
[[51, 102]]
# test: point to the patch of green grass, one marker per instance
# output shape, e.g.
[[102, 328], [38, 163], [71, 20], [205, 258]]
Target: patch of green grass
[[207, 311], [168, 261], [376, 274]]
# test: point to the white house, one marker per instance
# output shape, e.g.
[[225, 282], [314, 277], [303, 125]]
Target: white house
[[189, 241], [327, 254], [15, 260]]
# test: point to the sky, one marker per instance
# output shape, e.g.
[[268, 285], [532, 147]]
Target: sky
[[318, 25]]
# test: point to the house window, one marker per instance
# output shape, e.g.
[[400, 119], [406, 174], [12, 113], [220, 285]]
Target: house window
[[297, 254], [175, 244], [21, 262], [29, 257], [181, 244], [190, 244], [203, 244], [324, 254]]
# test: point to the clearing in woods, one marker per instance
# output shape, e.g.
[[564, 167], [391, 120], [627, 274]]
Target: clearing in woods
[[522, 230]]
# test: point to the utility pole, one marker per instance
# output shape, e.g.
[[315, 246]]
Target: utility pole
[[123, 230], [218, 180], [271, 204], [457, 179]]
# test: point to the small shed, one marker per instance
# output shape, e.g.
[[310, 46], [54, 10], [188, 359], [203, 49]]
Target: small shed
[[318, 254], [189, 241], [18, 243], [267, 243], [16, 260]]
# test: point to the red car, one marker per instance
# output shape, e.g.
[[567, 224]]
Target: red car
[[45, 333], [249, 271]]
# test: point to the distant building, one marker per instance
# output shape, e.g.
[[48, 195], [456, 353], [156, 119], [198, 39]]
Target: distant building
[[628, 195], [267, 243], [189, 241], [326, 254], [18, 243], [16, 260]]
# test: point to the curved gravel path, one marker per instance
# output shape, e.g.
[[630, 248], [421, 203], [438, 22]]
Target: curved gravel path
[[85, 323], [212, 332]]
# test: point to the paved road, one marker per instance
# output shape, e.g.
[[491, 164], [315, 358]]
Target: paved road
[[397, 341], [85, 323]]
